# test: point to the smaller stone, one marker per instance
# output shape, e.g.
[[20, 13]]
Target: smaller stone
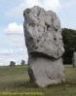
[[74, 59]]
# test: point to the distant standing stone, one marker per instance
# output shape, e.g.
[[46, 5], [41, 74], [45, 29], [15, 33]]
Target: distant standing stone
[[74, 59], [43, 39]]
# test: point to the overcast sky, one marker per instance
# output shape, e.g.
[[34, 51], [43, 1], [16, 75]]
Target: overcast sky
[[12, 45]]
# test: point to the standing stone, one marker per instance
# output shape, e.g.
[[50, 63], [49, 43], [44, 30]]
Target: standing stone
[[74, 59], [42, 32]]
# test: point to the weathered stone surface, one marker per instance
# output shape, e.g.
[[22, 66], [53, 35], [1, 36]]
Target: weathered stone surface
[[45, 47], [45, 72]]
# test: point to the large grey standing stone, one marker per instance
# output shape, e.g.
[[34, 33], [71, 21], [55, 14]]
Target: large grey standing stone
[[42, 32]]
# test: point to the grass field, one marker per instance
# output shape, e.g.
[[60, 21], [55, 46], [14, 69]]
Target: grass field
[[15, 82]]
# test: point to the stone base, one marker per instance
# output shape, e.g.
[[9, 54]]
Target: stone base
[[44, 71]]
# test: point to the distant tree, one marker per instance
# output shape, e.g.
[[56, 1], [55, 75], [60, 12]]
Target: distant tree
[[23, 62], [69, 39], [12, 64]]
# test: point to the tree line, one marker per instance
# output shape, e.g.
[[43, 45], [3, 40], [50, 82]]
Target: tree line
[[69, 39], [13, 63]]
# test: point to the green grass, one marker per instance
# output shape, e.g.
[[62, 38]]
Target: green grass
[[15, 82]]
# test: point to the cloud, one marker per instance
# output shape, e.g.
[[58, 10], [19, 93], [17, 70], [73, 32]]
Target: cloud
[[14, 33], [15, 36], [17, 11], [14, 28], [46, 4], [50, 4], [68, 4]]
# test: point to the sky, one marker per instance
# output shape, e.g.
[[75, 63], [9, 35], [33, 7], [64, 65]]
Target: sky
[[12, 44]]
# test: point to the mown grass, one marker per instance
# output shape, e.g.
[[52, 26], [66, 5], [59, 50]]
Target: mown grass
[[15, 82]]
